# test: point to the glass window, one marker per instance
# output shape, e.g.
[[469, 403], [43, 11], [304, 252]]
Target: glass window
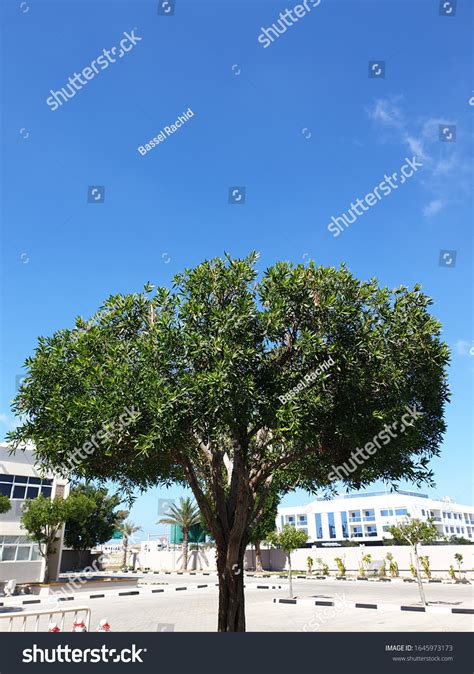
[[34, 480], [386, 513], [332, 527], [35, 555], [8, 554], [21, 479], [451, 529], [6, 478], [400, 511], [345, 530], [319, 526], [449, 516], [10, 539], [19, 491], [24, 540], [46, 491], [422, 512], [5, 489], [23, 553], [32, 492], [47, 481]]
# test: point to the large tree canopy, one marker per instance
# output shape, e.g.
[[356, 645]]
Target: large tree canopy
[[203, 366]]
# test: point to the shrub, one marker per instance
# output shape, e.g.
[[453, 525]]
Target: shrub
[[340, 565]]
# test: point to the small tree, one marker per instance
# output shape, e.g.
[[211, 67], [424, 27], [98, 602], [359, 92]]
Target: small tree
[[309, 564], [458, 557], [185, 515], [288, 539], [451, 572], [5, 504], [416, 532], [392, 565], [43, 518], [425, 563], [84, 533], [323, 568], [127, 529], [341, 566]]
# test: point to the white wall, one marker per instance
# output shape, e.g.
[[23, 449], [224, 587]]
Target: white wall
[[441, 556]]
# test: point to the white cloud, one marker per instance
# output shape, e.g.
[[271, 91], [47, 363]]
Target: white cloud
[[433, 207], [464, 348]]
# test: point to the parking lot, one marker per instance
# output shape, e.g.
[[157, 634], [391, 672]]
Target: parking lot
[[195, 609]]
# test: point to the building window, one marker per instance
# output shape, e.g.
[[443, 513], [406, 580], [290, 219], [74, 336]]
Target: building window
[[345, 530], [302, 519], [451, 529], [386, 513], [19, 549], [422, 512], [21, 486], [332, 527], [319, 526], [401, 511], [449, 515]]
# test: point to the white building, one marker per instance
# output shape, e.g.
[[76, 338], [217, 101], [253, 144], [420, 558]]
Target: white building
[[367, 517], [20, 479]]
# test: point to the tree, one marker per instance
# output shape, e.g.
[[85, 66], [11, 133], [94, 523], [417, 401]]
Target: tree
[[288, 539], [128, 529], [5, 504], [207, 364], [84, 533], [459, 558], [184, 515], [43, 519], [415, 532], [265, 527]]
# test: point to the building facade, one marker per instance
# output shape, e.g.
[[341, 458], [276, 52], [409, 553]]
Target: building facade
[[21, 479], [366, 518]]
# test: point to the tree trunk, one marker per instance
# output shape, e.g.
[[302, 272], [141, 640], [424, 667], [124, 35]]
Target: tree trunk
[[46, 569], [124, 556], [418, 578], [289, 576], [230, 567], [185, 550], [258, 557]]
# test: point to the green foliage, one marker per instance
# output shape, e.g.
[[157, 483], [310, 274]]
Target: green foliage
[[323, 568], [5, 504], [415, 531], [413, 570], [425, 565], [288, 539], [266, 524], [204, 364], [393, 566], [84, 533], [382, 570], [341, 566], [309, 564], [452, 573]]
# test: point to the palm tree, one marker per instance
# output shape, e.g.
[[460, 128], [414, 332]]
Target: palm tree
[[127, 529], [185, 515]]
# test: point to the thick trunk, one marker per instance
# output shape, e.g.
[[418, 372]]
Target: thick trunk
[[46, 569], [258, 557], [230, 567], [124, 556], [185, 550]]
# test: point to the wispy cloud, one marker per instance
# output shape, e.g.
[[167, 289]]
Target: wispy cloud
[[464, 348], [445, 168]]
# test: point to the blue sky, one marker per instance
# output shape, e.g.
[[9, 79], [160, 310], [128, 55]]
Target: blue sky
[[299, 124]]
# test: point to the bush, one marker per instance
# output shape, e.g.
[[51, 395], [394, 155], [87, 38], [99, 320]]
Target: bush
[[340, 566]]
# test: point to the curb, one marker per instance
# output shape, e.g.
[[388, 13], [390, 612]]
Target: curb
[[101, 595], [382, 607]]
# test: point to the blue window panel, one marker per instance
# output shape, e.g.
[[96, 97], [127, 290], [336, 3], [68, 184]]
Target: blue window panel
[[5, 489], [345, 530], [332, 526], [319, 526], [6, 478], [386, 513], [401, 511]]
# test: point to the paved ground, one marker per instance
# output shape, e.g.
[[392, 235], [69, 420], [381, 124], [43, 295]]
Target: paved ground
[[196, 609]]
